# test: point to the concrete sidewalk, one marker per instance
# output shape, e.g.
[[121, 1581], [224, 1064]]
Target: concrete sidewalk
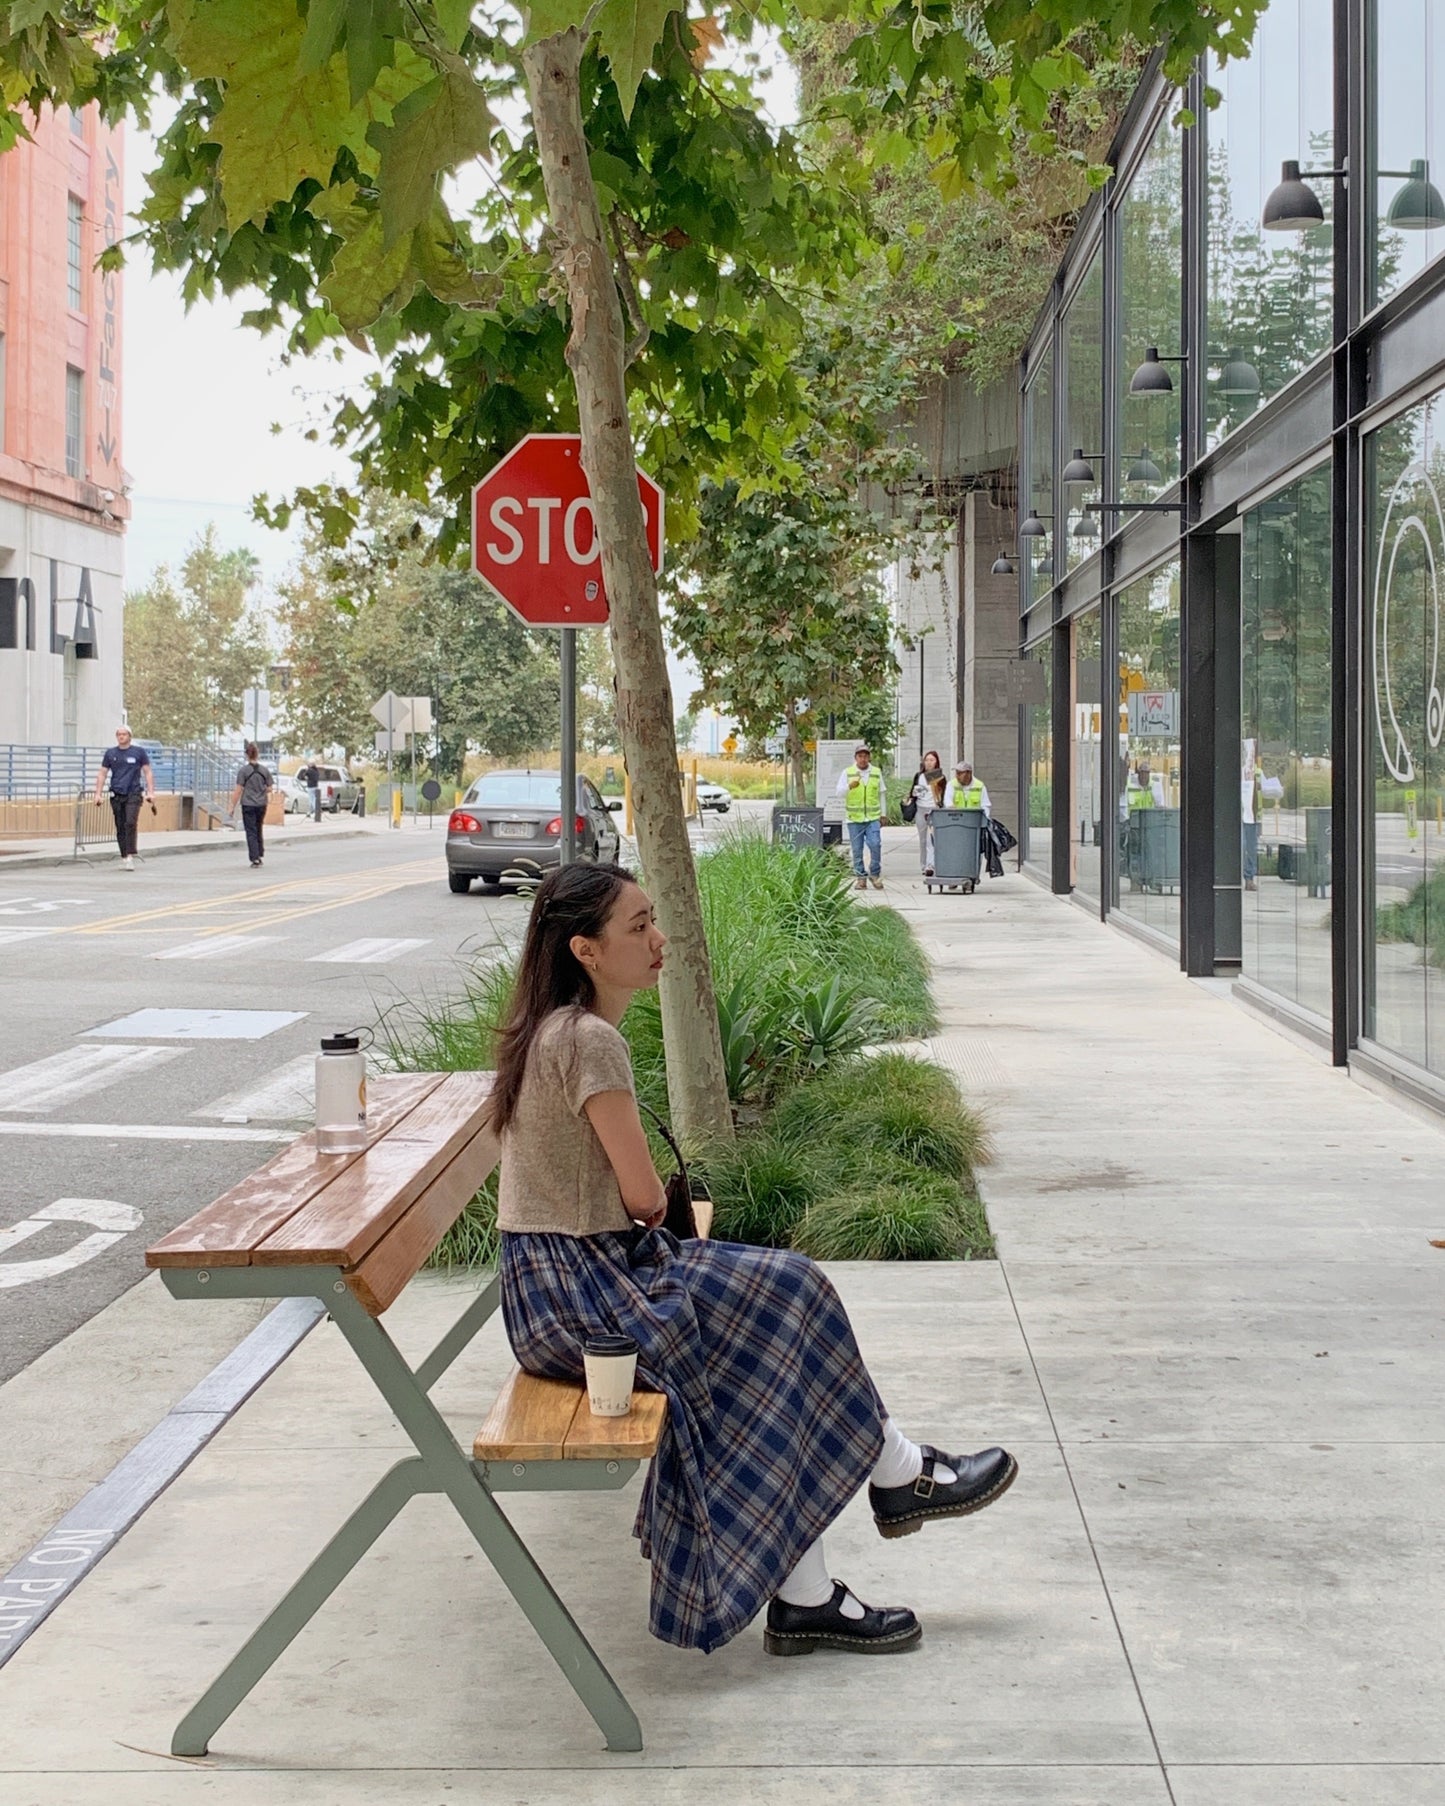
[[16, 855], [1214, 1340]]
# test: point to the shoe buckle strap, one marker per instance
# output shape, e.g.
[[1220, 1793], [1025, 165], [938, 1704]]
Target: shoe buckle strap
[[924, 1485]]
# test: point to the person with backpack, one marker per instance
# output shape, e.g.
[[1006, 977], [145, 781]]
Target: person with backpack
[[252, 792]]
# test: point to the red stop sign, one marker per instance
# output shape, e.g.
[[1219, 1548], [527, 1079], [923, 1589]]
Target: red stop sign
[[534, 538]]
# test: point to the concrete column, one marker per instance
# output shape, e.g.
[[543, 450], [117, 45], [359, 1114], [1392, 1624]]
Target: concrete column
[[992, 673], [926, 609]]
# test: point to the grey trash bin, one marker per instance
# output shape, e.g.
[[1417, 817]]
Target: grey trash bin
[[1153, 849], [957, 849]]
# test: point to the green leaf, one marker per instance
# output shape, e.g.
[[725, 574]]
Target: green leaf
[[548, 18], [627, 34], [440, 126], [323, 28], [365, 276], [455, 18]]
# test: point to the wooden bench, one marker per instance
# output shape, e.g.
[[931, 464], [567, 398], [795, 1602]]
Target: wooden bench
[[352, 1230]]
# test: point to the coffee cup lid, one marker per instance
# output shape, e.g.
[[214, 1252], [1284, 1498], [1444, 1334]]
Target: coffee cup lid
[[609, 1345]]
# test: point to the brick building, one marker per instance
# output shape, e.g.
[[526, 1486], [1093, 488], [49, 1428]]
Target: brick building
[[62, 487]]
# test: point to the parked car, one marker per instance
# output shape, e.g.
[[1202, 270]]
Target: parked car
[[297, 796], [338, 790], [507, 829], [714, 796]]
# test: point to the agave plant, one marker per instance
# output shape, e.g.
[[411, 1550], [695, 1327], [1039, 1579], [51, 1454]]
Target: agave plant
[[832, 1020]]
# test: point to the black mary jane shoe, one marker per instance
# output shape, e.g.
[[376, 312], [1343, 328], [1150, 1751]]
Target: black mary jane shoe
[[982, 1478], [800, 1629]]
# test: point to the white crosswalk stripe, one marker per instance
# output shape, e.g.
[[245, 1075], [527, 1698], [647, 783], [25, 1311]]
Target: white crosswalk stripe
[[77, 1072], [287, 1095], [7, 935], [218, 946], [365, 953]]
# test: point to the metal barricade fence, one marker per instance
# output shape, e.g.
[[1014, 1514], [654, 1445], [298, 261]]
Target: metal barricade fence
[[94, 823]]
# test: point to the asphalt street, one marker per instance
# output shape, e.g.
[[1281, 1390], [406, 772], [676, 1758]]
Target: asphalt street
[[116, 1125]]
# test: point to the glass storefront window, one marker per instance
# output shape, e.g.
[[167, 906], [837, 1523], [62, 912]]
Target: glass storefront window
[[1270, 294], [1038, 493], [1086, 826], [1285, 774], [1038, 842], [1083, 412], [1147, 745], [1405, 788], [1151, 313], [1403, 191]]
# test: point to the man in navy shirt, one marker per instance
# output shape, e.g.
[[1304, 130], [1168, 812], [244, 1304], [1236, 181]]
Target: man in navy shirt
[[131, 781]]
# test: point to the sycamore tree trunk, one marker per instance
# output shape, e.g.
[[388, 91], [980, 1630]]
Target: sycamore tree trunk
[[696, 1078], [794, 751]]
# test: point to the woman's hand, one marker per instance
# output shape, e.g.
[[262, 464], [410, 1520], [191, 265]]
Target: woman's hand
[[656, 1219]]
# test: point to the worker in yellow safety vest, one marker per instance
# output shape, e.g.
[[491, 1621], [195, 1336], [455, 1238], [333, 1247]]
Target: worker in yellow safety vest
[[861, 785], [966, 791], [1140, 794]]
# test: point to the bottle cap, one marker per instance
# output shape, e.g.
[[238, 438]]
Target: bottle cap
[[340, 1043]]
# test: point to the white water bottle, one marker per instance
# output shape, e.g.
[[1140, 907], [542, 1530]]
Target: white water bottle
[[340, 1095]]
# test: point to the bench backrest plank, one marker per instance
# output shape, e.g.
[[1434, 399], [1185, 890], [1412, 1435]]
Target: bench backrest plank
[[226, 1233], [342, 1223], [381, 1276]]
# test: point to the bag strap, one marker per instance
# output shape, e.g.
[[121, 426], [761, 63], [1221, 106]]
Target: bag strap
[[666, 1135]]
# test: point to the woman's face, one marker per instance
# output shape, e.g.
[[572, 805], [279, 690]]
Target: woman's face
[[930, 762], [627, 956]]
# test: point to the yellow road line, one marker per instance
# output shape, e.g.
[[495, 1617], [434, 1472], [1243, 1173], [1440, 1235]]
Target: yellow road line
[[238, 899], [316, 909]]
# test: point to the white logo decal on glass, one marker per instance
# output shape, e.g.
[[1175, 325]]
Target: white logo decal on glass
[[1425, 520]]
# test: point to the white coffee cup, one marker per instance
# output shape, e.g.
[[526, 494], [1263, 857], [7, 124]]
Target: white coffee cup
[[611, 1364]]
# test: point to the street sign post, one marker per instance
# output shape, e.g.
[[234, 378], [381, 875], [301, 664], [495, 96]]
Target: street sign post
[[534, 539]]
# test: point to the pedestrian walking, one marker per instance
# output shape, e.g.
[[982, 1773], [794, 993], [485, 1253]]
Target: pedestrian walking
[[311, 778], [773, 1422], [862, 785], [132, 782], [966, 791], [252, 792], [926, 794]]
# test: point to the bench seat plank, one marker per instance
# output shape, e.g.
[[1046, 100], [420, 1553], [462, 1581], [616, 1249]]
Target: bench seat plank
[[385, 1271], [226, 1233], [631, 1438], [340, 1224], [529, 1420], [548, 1420]]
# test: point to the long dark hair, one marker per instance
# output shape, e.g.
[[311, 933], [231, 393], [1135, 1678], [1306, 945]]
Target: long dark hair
[[575, 899]]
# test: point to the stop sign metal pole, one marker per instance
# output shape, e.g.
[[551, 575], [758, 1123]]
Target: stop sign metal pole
[[569, 745]]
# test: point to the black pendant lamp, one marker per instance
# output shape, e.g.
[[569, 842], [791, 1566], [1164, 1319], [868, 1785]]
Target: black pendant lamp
[[1033, 527], [1078, 469], [1002, 566], [1418, 206], [1238, 376], [1045, 566], [1293, 206], [1087, 527], [1143, 469], [1151, 378]]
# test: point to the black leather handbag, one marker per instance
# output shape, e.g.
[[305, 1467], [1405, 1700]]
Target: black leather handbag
[[679, 1189]]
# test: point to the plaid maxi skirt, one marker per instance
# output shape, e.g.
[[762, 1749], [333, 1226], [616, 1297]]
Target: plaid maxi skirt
[[773, 1423]]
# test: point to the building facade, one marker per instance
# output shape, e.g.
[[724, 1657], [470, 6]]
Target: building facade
[[62, 488], [1232, 550]]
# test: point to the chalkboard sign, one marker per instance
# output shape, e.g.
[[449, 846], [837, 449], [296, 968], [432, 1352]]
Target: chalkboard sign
[[797, 827]]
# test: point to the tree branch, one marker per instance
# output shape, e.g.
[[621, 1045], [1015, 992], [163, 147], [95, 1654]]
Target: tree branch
[[641, 331]]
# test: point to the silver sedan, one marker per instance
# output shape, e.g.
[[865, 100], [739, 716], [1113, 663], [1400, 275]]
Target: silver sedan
[[507, 829]]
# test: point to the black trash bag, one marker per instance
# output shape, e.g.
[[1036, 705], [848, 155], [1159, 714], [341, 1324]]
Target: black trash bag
[[996, 841]]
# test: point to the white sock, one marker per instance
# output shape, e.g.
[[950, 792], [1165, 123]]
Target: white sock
[[809, 1584], [902, 1460]]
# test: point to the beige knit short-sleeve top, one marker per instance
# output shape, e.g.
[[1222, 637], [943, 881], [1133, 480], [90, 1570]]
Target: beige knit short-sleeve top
[[556, 1177]]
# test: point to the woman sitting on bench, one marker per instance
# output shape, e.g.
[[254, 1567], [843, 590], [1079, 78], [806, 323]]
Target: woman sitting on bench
[[773, 1423]]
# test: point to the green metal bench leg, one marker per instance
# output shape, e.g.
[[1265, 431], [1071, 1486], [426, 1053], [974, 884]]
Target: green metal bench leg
[[452, 1473], [300, 1605]]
